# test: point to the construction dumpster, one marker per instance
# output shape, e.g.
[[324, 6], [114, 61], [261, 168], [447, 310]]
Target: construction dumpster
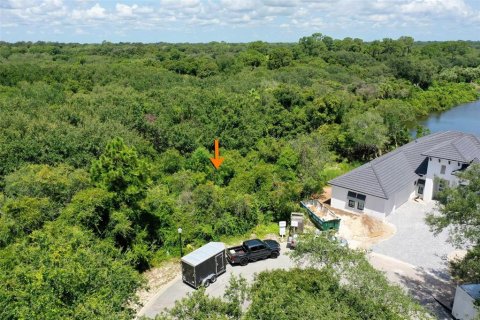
[[322, 217]]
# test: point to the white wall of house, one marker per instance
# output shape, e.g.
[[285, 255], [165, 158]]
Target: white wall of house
[[389, 206], [435, 170], [374, 206], [339, 197], [404, 194], [463, 305]]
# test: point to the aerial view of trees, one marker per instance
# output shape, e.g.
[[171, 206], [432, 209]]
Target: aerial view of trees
[[105, 148], [460, 212]]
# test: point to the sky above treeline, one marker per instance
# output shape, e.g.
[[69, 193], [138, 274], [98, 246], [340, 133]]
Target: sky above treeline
[[88, 21]]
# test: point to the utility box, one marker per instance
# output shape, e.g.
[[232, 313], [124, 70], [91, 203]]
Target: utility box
[[297, 221], [204, 265], [464, 304], [282, 228]]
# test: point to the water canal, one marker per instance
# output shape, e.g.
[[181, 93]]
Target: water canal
[[465, 118]]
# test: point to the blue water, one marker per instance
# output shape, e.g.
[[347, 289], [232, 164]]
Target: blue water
[[465, 118]]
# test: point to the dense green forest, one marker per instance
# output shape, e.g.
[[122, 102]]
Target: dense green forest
[[104, 148]]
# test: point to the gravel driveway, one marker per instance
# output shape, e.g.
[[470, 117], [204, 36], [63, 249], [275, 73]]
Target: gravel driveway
[[413, 242]]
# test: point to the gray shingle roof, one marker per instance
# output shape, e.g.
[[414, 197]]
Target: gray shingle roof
[[391, 172], [464, 149]]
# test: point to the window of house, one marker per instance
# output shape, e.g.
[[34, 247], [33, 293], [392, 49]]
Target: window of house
[[442, 169], [351, 203], [420, 189], [439, 160], [421, 186], [448, 161], [356, 199], [360, 205], [361, 201]]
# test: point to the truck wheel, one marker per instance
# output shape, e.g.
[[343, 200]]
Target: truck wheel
[[244, 262], [206, 283], [213, 279], [274, 255]]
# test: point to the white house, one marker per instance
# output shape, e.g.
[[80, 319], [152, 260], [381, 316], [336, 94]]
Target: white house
[[420, 168], [464, 303]]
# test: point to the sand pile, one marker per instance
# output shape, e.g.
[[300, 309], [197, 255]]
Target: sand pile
[[360, 230], [363, 231]]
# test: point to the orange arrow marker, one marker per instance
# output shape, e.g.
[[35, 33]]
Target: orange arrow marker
[[217, 161]]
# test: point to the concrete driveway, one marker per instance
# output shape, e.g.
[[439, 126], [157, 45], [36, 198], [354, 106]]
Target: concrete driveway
[[413, 242], [176, 290]]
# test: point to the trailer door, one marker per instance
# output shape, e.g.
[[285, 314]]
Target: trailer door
[[189, 274], [219, 261]]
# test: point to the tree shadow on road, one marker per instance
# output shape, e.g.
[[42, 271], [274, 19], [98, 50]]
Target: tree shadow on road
[[434, 289]]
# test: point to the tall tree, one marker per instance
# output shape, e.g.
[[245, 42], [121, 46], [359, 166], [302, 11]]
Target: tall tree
[[279, 57], [120, 170], [459, 211], [367, 133]]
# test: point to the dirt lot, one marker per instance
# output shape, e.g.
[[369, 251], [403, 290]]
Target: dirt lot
[[158, 278], [361, 231]]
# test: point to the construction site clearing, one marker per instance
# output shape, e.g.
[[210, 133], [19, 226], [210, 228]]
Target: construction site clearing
[[360, 230]]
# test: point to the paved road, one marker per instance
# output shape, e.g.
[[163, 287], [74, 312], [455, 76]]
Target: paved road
[[413, 242], [177, 289], [425, 287], [421, 284], [413, 258]]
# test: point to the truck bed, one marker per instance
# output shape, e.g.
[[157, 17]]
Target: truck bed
[[235, 250]]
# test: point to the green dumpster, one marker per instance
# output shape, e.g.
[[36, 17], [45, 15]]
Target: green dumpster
[[331, 222]]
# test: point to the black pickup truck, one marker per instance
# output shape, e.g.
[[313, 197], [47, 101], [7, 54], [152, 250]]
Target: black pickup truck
[[253, 250]]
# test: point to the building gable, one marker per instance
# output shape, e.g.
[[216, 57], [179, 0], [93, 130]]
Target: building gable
[[385, 175]]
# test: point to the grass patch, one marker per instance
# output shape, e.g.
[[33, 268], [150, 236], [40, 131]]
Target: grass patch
[[260, 232], [172, 253], [334, 169]]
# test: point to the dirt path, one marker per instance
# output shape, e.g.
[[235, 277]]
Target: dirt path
[[157, 279]]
